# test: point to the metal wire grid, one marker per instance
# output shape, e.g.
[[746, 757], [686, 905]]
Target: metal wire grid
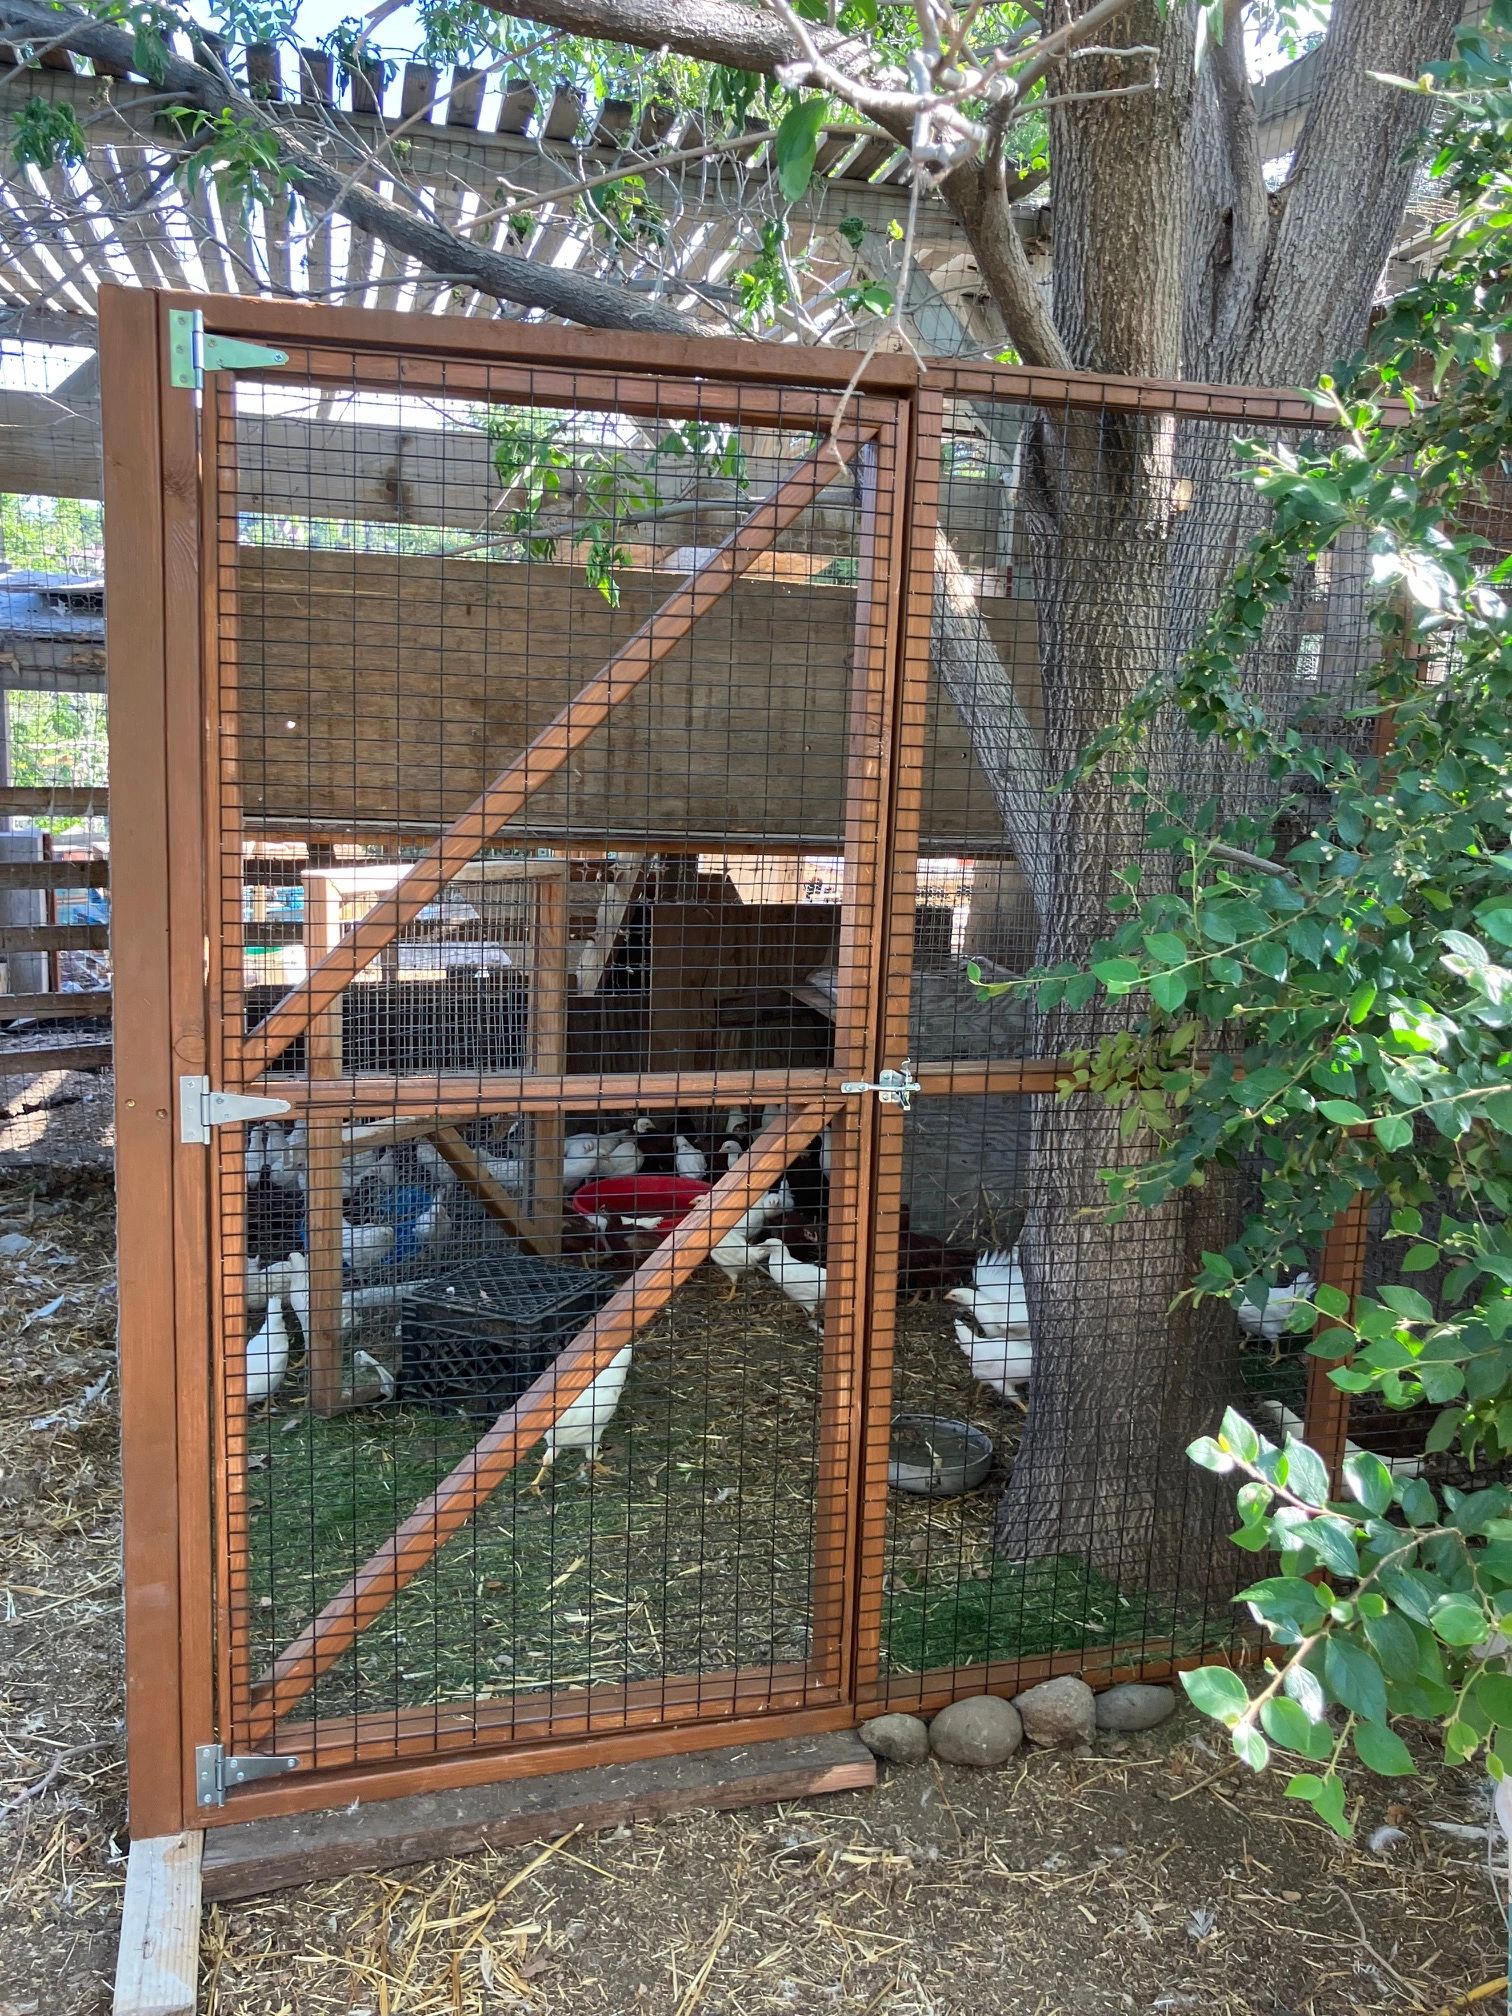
[[1081, 544], [687, 895]]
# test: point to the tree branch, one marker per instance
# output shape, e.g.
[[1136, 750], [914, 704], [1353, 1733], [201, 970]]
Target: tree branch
[[505, 276], [1341, 205], [1230, 211]]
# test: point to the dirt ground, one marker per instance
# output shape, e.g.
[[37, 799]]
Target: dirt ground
[[1150, 1877]]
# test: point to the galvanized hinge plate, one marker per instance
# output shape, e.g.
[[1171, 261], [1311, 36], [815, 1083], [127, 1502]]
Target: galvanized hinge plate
[[215, 1773], [893, 1088], [191, 352], [200, 1109]]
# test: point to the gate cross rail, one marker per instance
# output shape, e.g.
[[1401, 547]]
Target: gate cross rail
[[495, 806], [473, 1481]]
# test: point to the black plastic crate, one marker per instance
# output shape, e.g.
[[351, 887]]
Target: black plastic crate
[[476, 1336]]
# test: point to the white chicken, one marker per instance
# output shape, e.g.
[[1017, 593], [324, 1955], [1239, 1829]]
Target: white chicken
[[996, 1300], [282, 1161], [735, 1253], [800, 1280], [438, 1172], [366, 1245], [585, 1156], [582, 1424], [1284, 1423], [689, 1161], [257, 1154], [1282, 1307], [1004, 1363], [268, 1350], [357, 1304]]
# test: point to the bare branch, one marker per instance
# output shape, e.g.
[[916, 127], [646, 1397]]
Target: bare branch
[[503, 275]]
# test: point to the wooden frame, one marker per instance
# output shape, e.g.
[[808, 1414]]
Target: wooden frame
[[173, 644]]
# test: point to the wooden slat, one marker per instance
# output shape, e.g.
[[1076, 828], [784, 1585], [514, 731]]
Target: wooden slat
[[548, 1045], [263, 1855], [55, 801], [470, 1168], [566, 113], [1326, 1408], [73, 1057], [417, 91], [622, 676], [54, 1007], [54, 938], [422, 1535], [264, 71], [464, 102], [315, 76], [157, 1960], [916, 487], [613, 122], [516, 106], [367, 88], [54, 874], [465, 1095], [322, 930]]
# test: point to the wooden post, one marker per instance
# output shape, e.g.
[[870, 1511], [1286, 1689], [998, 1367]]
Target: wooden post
[[146, 1094], [548, 1047], [322, 929]]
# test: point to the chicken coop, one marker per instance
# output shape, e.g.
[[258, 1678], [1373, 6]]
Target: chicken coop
[[577, 1208]]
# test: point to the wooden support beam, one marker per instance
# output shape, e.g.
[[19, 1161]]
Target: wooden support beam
[[470, 1168], [54, 874], [262, 1855], [54, 938], [55, 1007], [492, 810], [323, 1159], [157, 1962], [55, 801], [459, 1495], [62, 1057]]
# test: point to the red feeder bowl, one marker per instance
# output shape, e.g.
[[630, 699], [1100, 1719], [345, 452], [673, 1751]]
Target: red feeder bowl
[[671, 1198]]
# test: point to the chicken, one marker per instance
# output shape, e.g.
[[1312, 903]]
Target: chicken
[[995, 1300], [583, 1422], [268, 1351], [585, 1156], [800, 1280], [1284, 1423], [1283, 1308], [734, 1254], [689, 1161], [927, 1266], [357, 1304], [376, 1370], [1005, 1363], [365, 1245]]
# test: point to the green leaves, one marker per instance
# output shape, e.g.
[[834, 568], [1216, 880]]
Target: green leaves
[[1382, 1751], [797, 144], [1217, 1692]]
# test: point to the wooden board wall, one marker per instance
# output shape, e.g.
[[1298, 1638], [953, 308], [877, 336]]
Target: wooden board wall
[[384, 688]]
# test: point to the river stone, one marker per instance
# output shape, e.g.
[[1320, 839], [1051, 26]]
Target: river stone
[[1058, 1711], [1134, 1705], [982, 1731], [899, 1739]]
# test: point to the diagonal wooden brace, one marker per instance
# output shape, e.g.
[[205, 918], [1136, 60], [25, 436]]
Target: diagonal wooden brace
[[492, 810], [459, 1495]]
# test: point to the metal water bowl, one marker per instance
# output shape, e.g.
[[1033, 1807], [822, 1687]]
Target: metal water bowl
[[932, 1457]]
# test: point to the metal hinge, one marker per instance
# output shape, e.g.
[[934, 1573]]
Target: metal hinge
[[200, 1109], [191, 353], [215, 1772], [893, 1088]]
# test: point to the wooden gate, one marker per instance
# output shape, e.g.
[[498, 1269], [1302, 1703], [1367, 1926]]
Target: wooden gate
[[245, 653]]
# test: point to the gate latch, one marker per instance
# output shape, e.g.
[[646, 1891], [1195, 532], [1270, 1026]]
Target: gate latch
[[200, 1109], [893, 1088], [215, 1772], [191, 353]]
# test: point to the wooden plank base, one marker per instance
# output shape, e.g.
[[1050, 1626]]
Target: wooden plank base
[[157, 1965], [262, 1855]]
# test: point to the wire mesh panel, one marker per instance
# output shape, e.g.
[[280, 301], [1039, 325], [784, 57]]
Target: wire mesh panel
[[553, 717], [1030, 1506]]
